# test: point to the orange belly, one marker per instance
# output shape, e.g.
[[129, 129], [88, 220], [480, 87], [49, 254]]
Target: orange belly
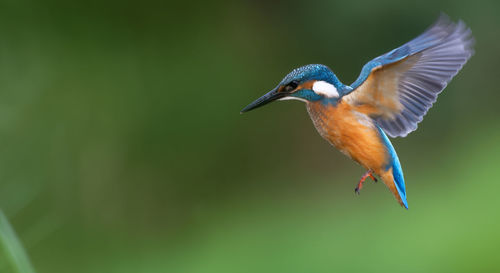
[[352, 132]]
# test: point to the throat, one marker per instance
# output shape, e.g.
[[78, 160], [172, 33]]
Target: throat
[[293, 98]]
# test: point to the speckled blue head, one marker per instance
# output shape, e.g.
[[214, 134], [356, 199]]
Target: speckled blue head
[[310, 72], [313, 82]]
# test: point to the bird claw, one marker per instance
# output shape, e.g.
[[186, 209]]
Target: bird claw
[[357, 190]]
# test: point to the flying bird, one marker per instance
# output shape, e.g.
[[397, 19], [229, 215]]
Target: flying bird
[[389, 98]]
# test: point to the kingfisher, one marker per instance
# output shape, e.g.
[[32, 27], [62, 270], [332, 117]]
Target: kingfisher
[[389, 98]]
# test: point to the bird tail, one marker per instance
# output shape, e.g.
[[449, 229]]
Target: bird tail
[[393, 176]]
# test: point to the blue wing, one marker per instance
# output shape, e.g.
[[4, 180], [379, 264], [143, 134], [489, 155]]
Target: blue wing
[[402, 84]]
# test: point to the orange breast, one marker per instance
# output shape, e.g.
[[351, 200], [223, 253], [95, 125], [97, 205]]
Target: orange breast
[[351, 131]]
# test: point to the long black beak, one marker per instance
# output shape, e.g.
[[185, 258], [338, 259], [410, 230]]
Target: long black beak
[[267, 98]]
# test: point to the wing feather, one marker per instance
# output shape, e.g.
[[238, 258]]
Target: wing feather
[[404, 83]]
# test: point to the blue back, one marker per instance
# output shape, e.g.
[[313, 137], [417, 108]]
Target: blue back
[[397, 172]]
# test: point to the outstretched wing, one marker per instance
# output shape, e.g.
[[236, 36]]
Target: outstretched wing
[[401, 85]]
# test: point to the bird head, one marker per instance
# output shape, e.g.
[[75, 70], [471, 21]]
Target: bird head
[[310, 83]]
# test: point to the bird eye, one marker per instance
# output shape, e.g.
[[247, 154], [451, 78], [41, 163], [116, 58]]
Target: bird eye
[[291, 86]]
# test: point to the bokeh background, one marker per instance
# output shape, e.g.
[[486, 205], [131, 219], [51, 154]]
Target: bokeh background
[[122, 148]]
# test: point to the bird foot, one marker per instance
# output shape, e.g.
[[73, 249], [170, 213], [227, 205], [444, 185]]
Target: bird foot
[[368, 173]]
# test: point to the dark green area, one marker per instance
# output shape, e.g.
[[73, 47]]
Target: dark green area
[[122, 148]]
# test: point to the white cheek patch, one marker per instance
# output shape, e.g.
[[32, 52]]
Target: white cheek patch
[[326, 89], [293, 98]]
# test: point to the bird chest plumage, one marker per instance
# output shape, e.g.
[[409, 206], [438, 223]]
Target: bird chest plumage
[[351, 132]]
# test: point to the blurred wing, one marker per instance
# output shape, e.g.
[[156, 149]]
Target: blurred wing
[[400, 86]]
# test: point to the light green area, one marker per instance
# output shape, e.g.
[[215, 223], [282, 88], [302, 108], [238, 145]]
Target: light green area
[[14, 258], [122, 148]]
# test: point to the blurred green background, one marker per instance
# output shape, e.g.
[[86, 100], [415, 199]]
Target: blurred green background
[[122, 148]]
